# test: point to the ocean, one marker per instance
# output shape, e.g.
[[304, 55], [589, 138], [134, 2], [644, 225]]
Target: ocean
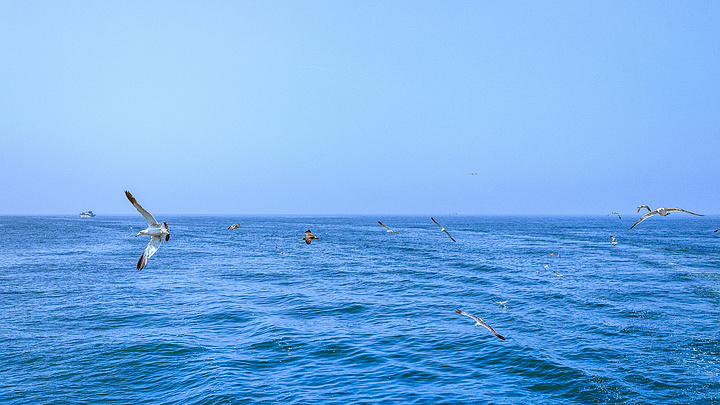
[[255, 315]]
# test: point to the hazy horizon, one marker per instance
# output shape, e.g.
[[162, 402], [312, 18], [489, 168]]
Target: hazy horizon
[[326, 108]]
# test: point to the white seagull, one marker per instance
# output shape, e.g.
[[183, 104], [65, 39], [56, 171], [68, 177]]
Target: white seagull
[[234, 226], [663, 212], [442, 229], [309, 237], [614, 241], [154, 229], [643, 206], [502, 303], [480, 322], [616, 214], [388, 229]]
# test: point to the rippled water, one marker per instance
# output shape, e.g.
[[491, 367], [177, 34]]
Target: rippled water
[[360, 315]]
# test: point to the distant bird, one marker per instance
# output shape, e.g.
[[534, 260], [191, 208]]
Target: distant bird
[[234, 226], [546, 267], [616, 214], [154, 229], [614, 241], [502, 303], [643, 206], [553, 253], [480, 322], [309, 237], [278, 249], [388, 229], [442, 229], [473, 174], [558, 274], [663, 212]]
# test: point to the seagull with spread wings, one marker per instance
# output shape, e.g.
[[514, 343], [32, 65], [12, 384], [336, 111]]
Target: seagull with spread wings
[[614, 241], [236, 226], [643, 206], [155, 229], [309, 237], [480, 322], [442, 229], [663, 212], [388, 229]]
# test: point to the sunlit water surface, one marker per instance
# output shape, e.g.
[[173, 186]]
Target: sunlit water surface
[[360, 315]]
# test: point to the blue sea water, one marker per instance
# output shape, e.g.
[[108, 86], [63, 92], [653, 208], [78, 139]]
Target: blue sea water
[[255, 315]]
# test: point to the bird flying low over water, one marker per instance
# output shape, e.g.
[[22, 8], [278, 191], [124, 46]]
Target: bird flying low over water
[[616, 214], [388, 229], [614, 241], [663, 212], [442, 229], [480, 322], [234, 226], [643, 206], [309, 237], [154, 229]]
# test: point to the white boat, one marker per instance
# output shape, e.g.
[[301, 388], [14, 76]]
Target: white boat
[[86, 214]]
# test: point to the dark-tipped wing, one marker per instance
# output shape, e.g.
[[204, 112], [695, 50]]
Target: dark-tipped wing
[[148, 216], [644, 217], [433, 219], [682, 210], [448, 234], [616, 214], [235, 226], [480, 322], [150, 250]]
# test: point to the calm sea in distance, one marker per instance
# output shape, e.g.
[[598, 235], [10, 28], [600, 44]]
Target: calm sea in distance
[[255, 315]]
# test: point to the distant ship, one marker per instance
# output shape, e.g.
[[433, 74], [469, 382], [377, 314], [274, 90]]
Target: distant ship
[[86, 214]]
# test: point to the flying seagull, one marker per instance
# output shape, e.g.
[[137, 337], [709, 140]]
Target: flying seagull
[[558, 274], [234, 226], [614, 241], [309, 237], [388, 229], [616, 214], [502, 303], [663, 212], [643, 206], [442, 229], [480, 322], [154, 229]]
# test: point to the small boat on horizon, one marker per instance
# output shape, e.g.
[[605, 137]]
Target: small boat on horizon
[[86, 214]]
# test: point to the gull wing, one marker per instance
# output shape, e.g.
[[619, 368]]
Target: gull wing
[[433, 219], [682, 210], [234, 226], [148, 216], [386, 227], [150, 250], [644, 217], [643, 206], [716, 230], [480, 322], [448, 234], [616, 214]]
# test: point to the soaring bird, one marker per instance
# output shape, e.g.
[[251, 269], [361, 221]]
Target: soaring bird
[[480, 322], [388, 229], [154, 229], [614, 241], [234, 226], [616, 214], [663, 212], [643, 206], [309, 237], [502, 303], [442, 229]]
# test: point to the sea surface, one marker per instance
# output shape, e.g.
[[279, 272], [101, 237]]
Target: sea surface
[[255, 315]]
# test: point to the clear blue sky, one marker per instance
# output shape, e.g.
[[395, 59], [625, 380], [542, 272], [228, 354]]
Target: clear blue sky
[[372, 107]]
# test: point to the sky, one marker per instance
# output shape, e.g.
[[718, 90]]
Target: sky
[[371, 107]]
